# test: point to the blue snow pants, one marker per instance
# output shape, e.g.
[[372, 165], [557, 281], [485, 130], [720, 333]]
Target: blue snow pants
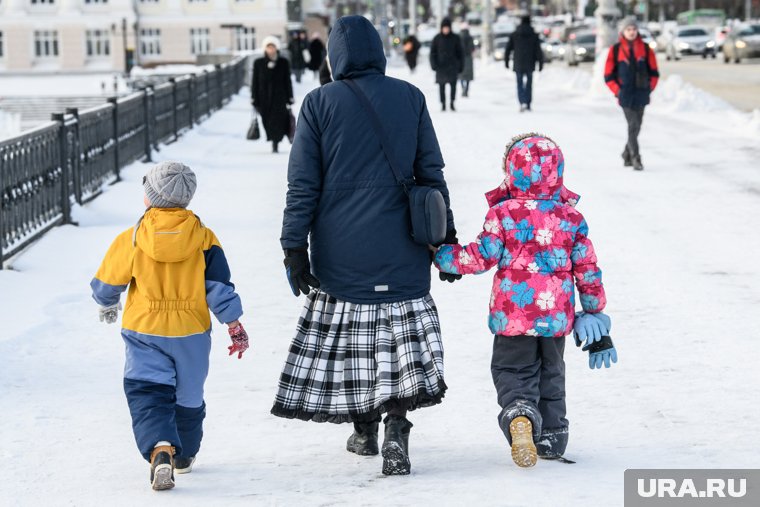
[[163, 381], [529, 375]]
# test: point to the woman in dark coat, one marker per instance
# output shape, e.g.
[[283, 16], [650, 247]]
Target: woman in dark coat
[[447, 60], [468, 48], [411, 49], [296, 47], [317, 52], [368, 341], [272, 91]]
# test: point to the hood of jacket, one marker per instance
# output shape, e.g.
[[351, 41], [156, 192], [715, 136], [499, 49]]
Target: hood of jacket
[[169, 234], [533, 170], [354, 49], [524, 30]]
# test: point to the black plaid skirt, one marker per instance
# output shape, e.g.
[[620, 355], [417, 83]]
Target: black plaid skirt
[[352, 362]]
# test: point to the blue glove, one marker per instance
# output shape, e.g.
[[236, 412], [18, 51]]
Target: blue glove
[[590, 327], [601, 352]]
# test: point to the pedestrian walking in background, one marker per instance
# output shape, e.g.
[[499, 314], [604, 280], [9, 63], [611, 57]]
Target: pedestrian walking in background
[[540, 244], [317, 52], [297, 47], [631, 73], [324, 73], [411, 50], [176, 271], [526, 46], [468, 48], [447, 60], [368, 340], [272, 91]]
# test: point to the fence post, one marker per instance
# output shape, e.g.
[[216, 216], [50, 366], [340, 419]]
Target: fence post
[[174, 107], [2, 205], [147, 91], [208, 93], [191, 101], [63, 161], [218, 76], [76, 173], [115, 122]]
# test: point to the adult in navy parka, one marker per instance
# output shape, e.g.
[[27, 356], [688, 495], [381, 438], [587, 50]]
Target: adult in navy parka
[[368, 340]]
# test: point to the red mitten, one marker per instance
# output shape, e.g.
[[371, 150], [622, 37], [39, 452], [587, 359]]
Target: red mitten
[[239, 340]]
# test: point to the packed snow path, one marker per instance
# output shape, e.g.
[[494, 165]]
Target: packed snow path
[[678, 246]]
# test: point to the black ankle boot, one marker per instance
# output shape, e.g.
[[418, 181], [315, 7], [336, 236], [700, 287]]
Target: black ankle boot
[[396, 446], [364, 439], [627, 162], [274, 148]]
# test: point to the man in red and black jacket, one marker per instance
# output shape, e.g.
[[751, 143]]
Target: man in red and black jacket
[[631, 73]]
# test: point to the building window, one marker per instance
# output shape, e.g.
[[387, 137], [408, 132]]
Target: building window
[[200, 41], [98, 43], [245, 39], [45, 43], [148, 1], [1, 44], [96, 1], [43, 2], [150, 41]]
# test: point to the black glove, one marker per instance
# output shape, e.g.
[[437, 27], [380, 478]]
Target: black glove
[[291, 101], [540, 67], [298, 271], [450, 239]]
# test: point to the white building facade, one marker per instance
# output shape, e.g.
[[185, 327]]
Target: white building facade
[[41, 36]]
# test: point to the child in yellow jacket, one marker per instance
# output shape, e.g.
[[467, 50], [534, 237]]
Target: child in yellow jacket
[[176, 271]]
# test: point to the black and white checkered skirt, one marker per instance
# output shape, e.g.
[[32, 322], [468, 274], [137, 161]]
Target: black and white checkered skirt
[[351, 362]]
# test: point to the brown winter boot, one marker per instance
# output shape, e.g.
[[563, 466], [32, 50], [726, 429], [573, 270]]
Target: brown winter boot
[[162, 467], [523, 449]]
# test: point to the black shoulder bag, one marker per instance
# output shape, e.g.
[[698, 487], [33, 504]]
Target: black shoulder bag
[[426, 205]]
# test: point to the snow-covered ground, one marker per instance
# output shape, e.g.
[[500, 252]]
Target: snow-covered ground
[[678, 244]]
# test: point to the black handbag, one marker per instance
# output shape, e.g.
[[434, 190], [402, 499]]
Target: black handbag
[[253, 130], [291, 126], [426, 204]]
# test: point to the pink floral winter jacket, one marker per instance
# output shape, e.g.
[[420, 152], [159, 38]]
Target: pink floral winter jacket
[[539, 241]]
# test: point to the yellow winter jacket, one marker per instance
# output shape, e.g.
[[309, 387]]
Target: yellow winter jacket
[[175, 269]]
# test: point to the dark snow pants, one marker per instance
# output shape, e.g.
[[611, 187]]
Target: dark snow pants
[[529, 376], [156, 417], [442, 91], [634, 117], [524, 87]]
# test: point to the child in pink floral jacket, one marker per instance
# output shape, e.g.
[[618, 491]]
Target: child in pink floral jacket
[[540, 243]]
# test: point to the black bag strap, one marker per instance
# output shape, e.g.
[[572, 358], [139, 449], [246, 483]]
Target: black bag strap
[[380, 132]]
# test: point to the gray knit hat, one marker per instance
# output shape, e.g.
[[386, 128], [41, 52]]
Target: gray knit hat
[[169, 185], [629, 21]]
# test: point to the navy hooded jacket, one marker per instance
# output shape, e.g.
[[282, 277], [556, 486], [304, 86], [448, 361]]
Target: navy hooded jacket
[[341, 189]]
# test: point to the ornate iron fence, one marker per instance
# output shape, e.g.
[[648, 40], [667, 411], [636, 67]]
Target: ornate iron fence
[[74, 155]]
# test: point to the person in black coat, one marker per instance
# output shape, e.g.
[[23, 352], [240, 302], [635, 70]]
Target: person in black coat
[[468, 48], [297, 47], [527, 48], [317, 51], [272, 91], [411, 49], [447, 60]]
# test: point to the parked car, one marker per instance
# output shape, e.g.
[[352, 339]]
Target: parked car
[[551, 48], [690, 40], [742, 42], [580, 47], [500, 47], [648, 39]]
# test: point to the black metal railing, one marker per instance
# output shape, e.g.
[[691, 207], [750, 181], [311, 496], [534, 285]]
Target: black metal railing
[[74, 155]]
